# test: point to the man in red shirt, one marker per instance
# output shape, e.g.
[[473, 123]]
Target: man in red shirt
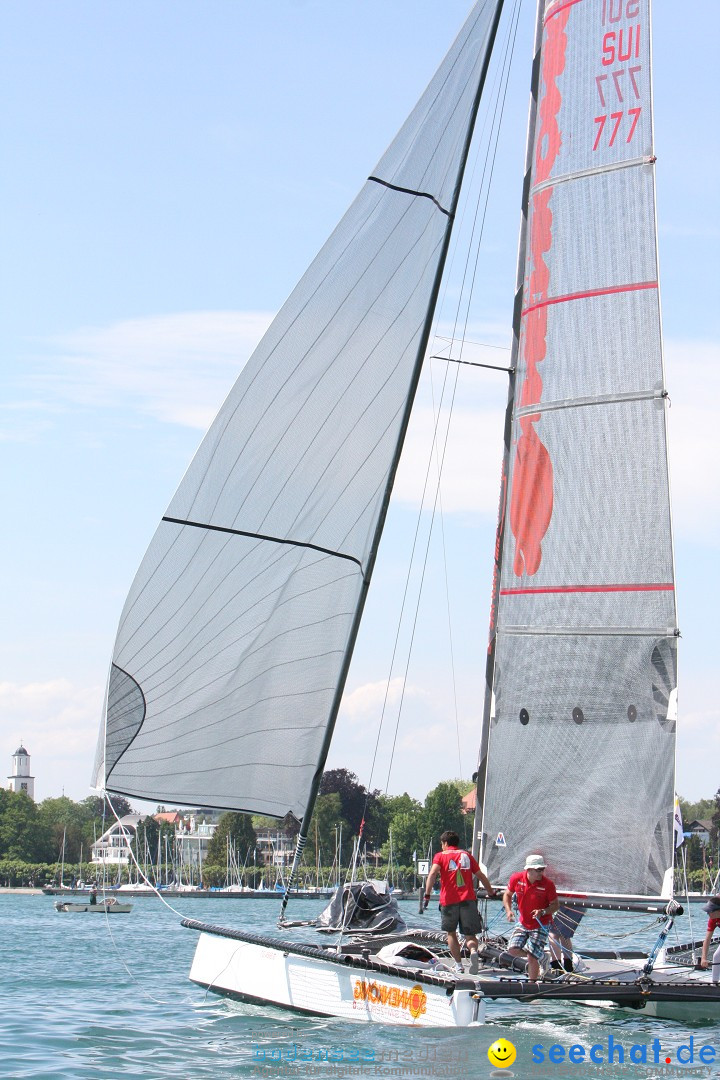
[[458, 871], [713, 909], [537, 902]]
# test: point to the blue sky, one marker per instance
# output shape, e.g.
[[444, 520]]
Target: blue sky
[[170, 170]]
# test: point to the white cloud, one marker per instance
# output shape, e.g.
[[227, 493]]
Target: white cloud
[[693, 381], [57, 722], [178, 369], [425, 749], [175, 368], [366, 702]]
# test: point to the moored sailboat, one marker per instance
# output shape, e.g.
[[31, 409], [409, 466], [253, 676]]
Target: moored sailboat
[[247, 605]]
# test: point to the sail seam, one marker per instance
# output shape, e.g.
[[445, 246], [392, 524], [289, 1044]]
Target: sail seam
[[600, 399], [581, 174], [608, 291], [589, 631], [263, 536], [640, 587], [412, 191]]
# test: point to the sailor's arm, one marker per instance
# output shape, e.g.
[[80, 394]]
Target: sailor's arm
[[486, 884], [549, 910], [507, 904], [431, 879]]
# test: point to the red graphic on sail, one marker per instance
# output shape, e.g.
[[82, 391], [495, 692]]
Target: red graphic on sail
[[531, 503]]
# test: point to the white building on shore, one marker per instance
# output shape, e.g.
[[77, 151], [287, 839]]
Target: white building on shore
[[190, 841], [113, 847]]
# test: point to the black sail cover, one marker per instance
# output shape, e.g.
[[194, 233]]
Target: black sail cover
[[580, 767], [232, 642]]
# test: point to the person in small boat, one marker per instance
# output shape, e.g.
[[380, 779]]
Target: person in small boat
[[564, 924], [713, 909], [458, 872], [537, 903], [93, 896]]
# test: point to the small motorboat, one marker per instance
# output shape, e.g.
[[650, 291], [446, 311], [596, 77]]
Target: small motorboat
[[107, 906]]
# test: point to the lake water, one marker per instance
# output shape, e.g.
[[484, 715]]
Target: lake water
[[96, 998]]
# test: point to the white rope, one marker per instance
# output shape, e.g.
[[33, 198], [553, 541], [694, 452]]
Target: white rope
[[140, 870], [130, 973]]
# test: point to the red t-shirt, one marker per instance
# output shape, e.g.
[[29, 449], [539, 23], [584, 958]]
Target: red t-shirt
[[714, 922], [530, 897], [456, 875]]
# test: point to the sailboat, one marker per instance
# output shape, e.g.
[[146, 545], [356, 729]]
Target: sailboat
[[236, 638]]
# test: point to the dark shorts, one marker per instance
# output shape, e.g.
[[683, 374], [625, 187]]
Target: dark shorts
[[465, 913]]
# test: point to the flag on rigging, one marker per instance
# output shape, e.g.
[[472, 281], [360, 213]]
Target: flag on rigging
[[677, 824]]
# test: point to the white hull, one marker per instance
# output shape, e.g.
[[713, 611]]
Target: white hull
[[263, 975], [359, 987]]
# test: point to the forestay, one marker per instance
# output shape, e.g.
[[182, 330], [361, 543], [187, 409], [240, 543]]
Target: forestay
[[233, 644], [582, 707]]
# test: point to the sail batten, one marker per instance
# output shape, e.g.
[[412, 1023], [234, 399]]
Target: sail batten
[[261, 536], [235, 640]]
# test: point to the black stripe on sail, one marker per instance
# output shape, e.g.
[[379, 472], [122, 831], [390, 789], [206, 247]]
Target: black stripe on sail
[[261, 536], [411, 191]]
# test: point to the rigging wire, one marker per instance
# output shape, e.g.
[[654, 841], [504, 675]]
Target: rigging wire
[[487, 171], [504, 73], [469, 341], [500, 85], [120, 956]]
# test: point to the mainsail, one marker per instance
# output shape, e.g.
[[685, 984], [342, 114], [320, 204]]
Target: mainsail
[[579, 748], [235, 639]]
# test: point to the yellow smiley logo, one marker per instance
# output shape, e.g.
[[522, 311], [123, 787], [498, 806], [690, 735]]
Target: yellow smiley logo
[[501, 1053]]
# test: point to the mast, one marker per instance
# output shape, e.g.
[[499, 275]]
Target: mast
[[481, 774], [419, 358]]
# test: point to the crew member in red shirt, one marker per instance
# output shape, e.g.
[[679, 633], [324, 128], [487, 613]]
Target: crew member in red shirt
[[458, 872], [713, 909], [537, 902]]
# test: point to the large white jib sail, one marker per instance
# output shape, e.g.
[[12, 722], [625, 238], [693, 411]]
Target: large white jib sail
[[578, 756], [234, 642]]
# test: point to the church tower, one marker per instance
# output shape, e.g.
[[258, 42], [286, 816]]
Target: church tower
[[21, 780]]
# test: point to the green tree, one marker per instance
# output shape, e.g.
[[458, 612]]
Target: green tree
[[23, 834], [324, 828], [357, 803], [694, 853], [443, 810], [408, 832], [716, 820], [390, 805], [99, 806], [237, 829], [67, 822], [697, 811]]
